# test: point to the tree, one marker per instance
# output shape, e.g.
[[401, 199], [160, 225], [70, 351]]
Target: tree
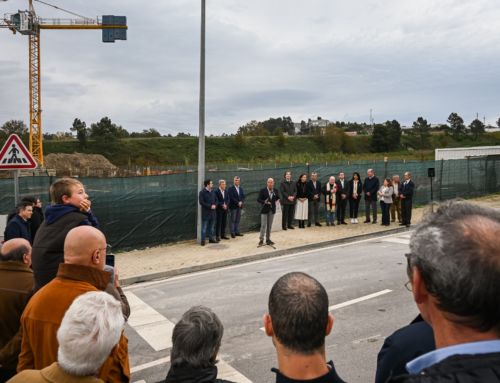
[[82, 133], [457, 127], [14, 127], [280, 140], [332, 139], [498, 122], [146, 133], [386, 137], [107, 131], [421, 134], [239, 140], [476, 128]]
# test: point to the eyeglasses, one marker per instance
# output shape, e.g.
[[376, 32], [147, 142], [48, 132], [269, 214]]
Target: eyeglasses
[[408, 285]]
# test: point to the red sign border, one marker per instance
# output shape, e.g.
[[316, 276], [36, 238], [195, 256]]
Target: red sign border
[[15, 138]]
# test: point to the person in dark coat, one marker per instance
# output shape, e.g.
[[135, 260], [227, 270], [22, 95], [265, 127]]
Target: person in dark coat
[[222, 197], [208, 203], [454, 272], [354, 195], [314, 195], [37, 217], [342, 193], [236, 201], [196, 341], [371, 185], [406, 197], [70, 208], [288, 190], [19, 225], [402, 346], [267, 198]]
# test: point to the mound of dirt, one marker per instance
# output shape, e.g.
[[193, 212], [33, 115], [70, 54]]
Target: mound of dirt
[[78, 164]]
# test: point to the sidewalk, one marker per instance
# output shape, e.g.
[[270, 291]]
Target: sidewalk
[[185, 257]]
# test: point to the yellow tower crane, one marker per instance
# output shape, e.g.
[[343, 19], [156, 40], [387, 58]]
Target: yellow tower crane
[[28, 23]]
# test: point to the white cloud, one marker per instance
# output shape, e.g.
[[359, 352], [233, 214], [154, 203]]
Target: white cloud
[[264, 58]]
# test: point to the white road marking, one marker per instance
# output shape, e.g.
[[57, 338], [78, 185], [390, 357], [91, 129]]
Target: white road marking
[[140, 381], [153, 327], [190, 275], [356, 300], [404, 241], [150, 364]]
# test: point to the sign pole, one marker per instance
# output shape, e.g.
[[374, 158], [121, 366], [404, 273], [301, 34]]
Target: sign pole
[[16, 187]]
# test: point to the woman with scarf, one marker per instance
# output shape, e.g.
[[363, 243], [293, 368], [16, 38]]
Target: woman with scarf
[[301, 210], [329, 191]]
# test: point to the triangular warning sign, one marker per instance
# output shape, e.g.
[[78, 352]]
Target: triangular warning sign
[[14, 155]]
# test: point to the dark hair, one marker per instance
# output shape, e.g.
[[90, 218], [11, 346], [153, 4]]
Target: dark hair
[[356, 173], [16, 254], [23, 205], [206, 182], [389, 181], [298, 306], [29, 199], [287, 171], [196, 338], [300, 177], [456, 251]]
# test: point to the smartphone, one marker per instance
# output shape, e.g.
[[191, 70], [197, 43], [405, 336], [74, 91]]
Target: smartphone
[[110, 260]]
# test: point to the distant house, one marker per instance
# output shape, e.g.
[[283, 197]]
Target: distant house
[[312, 126]]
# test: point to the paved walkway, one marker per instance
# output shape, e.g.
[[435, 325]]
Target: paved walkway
[[188, 256]]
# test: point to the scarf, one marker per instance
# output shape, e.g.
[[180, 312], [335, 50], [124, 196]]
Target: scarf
[[330, 199], [186, 374]]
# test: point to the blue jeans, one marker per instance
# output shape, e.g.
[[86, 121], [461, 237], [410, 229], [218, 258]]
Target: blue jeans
[[207, 224], [330, 217]]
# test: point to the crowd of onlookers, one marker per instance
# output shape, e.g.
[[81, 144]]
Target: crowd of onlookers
[[63, 312], [300, 201]]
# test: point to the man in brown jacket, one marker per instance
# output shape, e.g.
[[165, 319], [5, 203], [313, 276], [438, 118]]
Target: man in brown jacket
[[82, 271], [16, 286]]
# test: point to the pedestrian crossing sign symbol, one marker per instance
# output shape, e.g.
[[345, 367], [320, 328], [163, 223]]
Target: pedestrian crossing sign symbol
[[14, 155]]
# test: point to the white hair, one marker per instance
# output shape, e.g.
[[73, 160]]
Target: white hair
[[222, 181], [91, 327]]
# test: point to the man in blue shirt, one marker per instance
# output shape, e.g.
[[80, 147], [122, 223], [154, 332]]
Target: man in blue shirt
[[19, 226], [454, 271]]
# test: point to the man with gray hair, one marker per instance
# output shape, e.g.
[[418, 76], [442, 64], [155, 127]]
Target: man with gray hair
[[454, 271], [89, 331], [16, 287], [222, 198], [267, 198], [196, 340]]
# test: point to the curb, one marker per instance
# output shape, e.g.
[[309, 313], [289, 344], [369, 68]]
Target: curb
[[250, 258]]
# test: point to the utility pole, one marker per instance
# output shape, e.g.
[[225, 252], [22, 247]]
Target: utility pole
[[201, 134]]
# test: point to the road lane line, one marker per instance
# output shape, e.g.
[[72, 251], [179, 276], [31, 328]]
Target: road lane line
[[150, 364], [404, 241], [204, 272]]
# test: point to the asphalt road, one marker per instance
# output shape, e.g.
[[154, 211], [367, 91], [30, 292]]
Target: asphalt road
[[372, 270]]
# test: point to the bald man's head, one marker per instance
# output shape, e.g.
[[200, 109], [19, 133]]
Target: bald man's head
[[85, 245], [17, 249]]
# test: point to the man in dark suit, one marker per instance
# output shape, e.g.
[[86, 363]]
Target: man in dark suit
[[288, 190], [342, 192], [314, 194], [208, 204], [267, 198], [371, 185], [222, 198], [236, 200], [19, 226], [406, 196]]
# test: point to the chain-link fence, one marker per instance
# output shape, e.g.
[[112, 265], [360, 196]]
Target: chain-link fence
[[137, 212]]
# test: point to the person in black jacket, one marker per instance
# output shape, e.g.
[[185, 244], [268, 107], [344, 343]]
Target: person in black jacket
[[354, 195], [314, 195], [196, 340], [236, 201], [222, 197], [406, 197], [288, 190], [267, 198], [371, 185], [19, 225], [302, 206], [208, 203], [342, 193], [454, 272]]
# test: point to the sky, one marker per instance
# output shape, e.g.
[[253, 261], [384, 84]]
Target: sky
[[265, 58]]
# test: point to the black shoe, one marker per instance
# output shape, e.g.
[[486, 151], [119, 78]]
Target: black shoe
[[374, 222], [332, 224], [233, 236], [224, 237], [367, 221], [402, 224], [269, 242], [261, 243], [284, 228], [239, 235], [328, 224], [211, 241], [318, 224], [291, 227], [408, 225], [202, 243], [309, 224], [343, 223], [217, 239]]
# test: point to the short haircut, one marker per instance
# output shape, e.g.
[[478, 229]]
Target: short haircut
[[29, 199], [89, 331], [222, 181], [196, 338], [298, 306], [206, 182], [22, 206], [288, 171], [456, 251], [62, 187], [16, 254], [236, 178], [409, 174]]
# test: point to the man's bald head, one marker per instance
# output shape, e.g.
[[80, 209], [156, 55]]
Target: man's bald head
[[16, 249], [85, 245]]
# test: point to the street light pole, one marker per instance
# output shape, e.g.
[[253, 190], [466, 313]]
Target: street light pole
[[201, 134]]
